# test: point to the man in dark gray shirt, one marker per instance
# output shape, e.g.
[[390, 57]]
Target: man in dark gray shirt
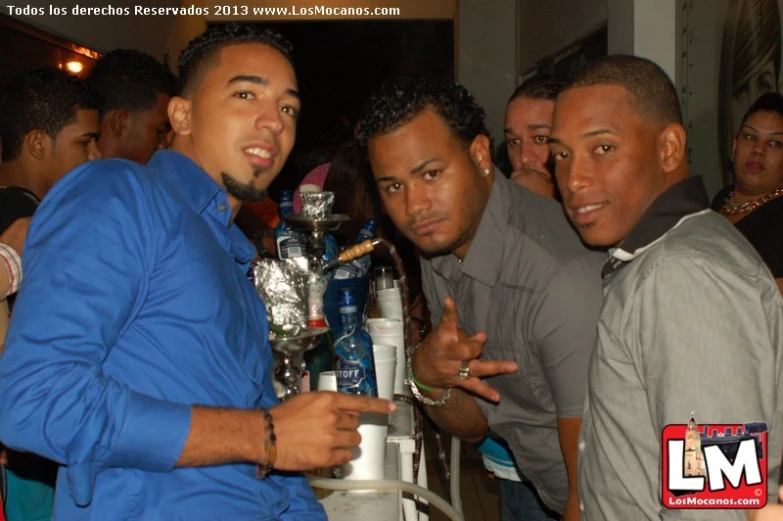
[[514, 294], [692, 318]]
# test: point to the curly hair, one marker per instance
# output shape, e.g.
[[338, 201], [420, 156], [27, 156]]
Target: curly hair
[[130, 80], [201, 53], [45, 99], [400, 100]]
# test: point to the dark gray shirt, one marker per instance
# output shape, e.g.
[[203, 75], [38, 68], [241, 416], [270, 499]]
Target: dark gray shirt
[[530, 284], [692, 323]]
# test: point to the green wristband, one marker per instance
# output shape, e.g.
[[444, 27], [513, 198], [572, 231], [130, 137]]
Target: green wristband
[[419, 384]]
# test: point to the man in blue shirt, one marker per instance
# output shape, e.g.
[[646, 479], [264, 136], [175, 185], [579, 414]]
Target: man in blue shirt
[[138, 355]]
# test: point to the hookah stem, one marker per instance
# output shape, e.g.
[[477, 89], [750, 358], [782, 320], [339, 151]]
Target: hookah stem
[[418, 414]]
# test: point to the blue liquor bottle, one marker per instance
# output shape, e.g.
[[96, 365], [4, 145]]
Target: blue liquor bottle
[[361, 266], [354, 362], [290, 243]]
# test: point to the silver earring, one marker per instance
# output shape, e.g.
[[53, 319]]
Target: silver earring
[[486, 171]]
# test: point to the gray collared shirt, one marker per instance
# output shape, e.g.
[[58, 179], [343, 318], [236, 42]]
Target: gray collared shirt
[[692, 323], [530, 284]]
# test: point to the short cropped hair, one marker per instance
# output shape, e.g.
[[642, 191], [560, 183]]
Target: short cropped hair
[[768, 102], [130, 80], [400, 100], [543, 87], [201, 53], [44, 99], [649, 88]]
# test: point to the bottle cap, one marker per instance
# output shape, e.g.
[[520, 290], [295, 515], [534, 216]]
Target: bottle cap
[[371, 226]]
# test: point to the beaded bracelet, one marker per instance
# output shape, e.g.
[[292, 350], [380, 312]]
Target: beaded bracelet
[[270, 448]]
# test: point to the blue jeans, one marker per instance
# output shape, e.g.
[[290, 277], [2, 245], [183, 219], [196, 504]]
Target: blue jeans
[[520, 502]]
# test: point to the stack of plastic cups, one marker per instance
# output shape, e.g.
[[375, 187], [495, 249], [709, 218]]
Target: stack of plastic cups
[[385, 331], [385, 356]]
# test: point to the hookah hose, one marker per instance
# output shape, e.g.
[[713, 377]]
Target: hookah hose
[[388, 485], [355, 252]]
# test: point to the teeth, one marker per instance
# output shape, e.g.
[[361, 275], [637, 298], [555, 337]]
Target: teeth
[[260, 152], [589, 208]]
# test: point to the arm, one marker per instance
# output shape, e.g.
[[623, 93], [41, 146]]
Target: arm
[[85, 263], [568, 433], [87, 260], [436, 364], [565, 329], [701, 326], [11, 245]]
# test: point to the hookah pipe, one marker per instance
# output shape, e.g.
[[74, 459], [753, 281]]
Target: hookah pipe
[[354, 252]]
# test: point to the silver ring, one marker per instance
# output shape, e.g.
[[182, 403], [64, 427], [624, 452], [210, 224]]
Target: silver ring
[[464, 371]]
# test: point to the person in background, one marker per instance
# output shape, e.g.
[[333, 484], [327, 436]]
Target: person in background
[[48, 126], [143, 360], [527, 126], [749, 67], [754, 203], [136, 89], [692, 318]]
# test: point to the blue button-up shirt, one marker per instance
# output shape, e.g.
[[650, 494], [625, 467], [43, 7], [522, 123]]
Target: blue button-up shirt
[[136, 305]]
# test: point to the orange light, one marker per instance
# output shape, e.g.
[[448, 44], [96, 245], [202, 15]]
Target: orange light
[[74, 67]]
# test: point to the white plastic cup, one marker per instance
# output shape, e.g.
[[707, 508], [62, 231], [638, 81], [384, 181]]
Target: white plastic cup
[[384, 325], [327, 381], [383, 277], [369, 459], [391, 307], [385, 356]]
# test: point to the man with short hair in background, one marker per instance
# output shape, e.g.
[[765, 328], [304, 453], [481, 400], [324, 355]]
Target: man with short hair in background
[[136, 89], [48, 127], [527, 126]]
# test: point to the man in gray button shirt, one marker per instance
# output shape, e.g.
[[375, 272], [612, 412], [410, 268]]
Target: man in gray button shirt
[[526, 293], [692, 319]]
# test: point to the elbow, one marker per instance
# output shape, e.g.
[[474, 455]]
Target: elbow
[[14, 419]]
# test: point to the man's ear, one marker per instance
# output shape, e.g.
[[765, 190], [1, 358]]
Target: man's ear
[[180, 115], [672, 147], [480, 153], [38, 144], [118, 121]]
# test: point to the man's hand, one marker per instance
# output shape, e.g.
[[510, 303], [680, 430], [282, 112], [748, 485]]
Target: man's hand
[[15, 234], [318, 429], [436, 362]]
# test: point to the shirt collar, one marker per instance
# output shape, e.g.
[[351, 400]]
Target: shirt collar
[[681, 200], [485, 256], [189, 179], [204, 195]]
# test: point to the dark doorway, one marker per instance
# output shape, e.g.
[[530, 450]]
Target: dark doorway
[[338, 64]]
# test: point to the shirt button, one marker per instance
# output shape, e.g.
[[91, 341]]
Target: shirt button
[[582, 445], [222, 207]]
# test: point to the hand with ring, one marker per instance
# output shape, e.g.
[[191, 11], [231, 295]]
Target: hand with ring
[[449, 357]]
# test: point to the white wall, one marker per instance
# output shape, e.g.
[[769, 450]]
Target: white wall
[[487, 55], [548, 26]]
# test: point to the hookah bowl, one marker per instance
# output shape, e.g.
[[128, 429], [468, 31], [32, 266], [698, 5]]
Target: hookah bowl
[[289, 358]]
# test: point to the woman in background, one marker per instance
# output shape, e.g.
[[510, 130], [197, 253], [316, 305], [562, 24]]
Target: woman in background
[[749, 66], [754, 204]]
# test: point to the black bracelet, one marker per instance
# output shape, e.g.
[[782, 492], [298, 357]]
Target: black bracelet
[[270, 447]]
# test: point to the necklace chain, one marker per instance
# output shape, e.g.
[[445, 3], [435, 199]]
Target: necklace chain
[[731, 208]]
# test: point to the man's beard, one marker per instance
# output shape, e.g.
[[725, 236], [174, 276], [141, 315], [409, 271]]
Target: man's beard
[[244, 192]]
